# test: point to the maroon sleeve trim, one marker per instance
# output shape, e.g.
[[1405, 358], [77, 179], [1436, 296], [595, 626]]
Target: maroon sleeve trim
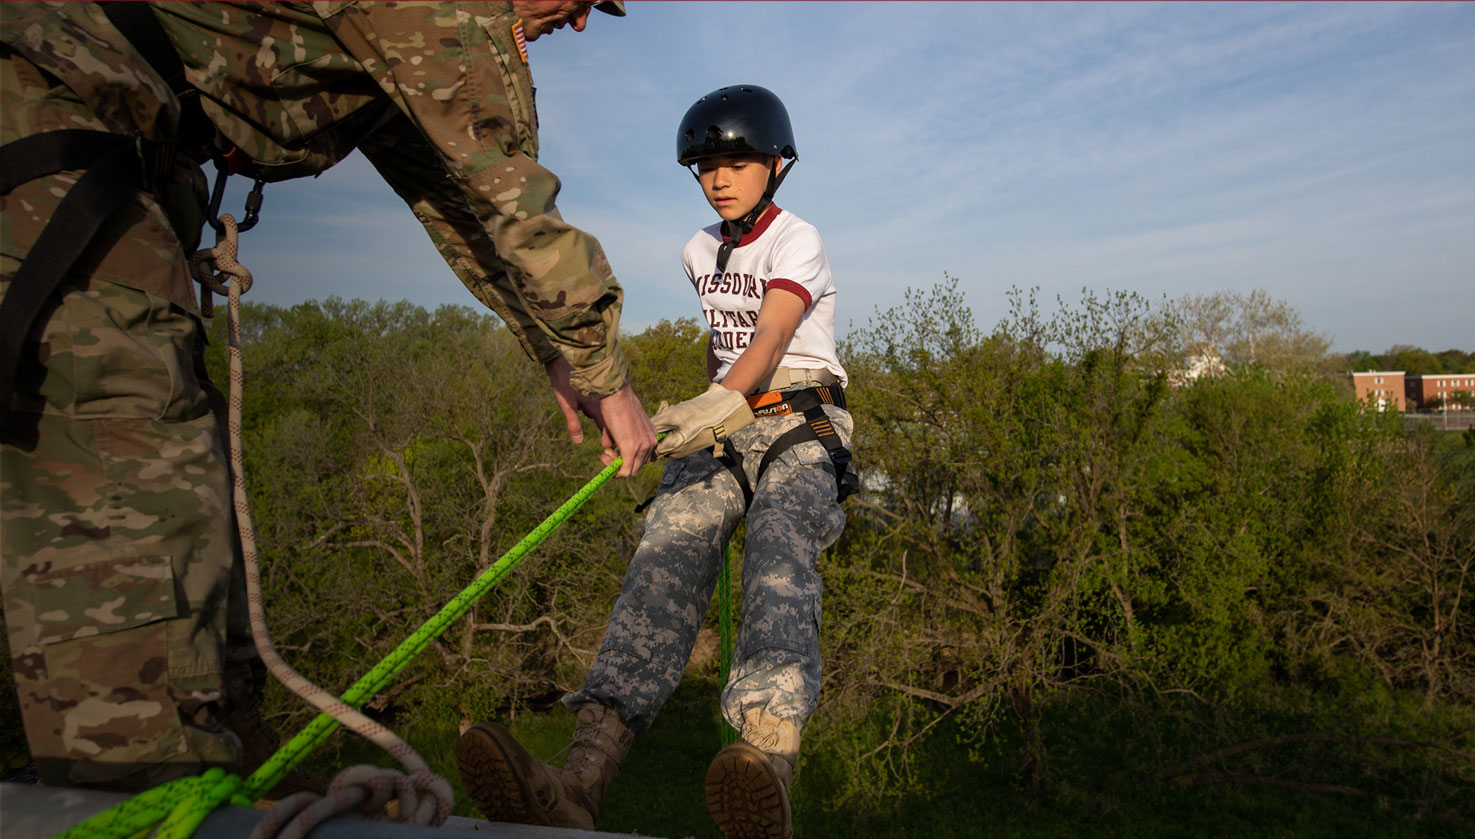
[[793, 288]]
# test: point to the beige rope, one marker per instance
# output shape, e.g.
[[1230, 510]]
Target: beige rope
[[366, 788]]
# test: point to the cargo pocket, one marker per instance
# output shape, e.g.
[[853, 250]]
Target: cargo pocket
[[798, 633], [105, 640], [671, 475]]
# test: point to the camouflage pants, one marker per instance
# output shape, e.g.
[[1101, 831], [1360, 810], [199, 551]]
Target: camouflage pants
[[124, 600], [669, 584]]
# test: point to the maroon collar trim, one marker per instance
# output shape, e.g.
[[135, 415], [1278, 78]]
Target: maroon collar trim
[[763, 221]]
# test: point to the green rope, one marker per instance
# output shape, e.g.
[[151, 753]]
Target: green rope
[[724, 624], [185, 803]]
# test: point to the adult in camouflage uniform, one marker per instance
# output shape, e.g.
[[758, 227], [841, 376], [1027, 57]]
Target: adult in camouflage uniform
[[766, 441], [123, 594]]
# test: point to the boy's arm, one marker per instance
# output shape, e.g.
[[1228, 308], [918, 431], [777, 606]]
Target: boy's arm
[[777, 320], [705, 420]]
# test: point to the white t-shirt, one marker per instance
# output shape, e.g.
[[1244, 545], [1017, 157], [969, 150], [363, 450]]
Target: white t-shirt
[[782, 251]]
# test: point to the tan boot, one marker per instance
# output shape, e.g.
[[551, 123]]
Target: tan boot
[[508, 785], [748, 782]]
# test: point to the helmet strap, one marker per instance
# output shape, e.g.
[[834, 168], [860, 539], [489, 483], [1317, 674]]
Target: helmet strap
[[737, 230]]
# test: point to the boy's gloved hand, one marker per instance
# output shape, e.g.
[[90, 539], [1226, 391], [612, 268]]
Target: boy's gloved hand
[[700, 423]]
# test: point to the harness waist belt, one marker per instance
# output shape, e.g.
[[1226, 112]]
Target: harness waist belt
[[784, 378], [781, 403]]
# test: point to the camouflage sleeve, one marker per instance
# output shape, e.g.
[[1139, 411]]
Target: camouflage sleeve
[[413, 170], [457, 76]]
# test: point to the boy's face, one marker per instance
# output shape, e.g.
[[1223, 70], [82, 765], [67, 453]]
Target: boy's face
[[734, 183]]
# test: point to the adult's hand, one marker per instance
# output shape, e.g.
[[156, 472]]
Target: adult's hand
[[625, 430]]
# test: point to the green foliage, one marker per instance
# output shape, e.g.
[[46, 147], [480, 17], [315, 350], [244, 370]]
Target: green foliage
[[1047, 515], [393, 454], [1413, 361]]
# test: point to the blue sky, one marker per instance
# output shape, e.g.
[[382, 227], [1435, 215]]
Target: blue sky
[[1322, 151]]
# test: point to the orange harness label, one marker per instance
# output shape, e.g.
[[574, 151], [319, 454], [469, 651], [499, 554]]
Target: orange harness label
[[770, 404]]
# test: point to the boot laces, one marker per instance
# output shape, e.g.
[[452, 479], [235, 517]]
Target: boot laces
[[766, 738], [583, 750]]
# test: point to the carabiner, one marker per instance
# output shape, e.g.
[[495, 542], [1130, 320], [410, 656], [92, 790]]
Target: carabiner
[[253, 202]]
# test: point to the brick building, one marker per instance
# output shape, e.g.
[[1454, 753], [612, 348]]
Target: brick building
[[1434, 391], [1386, 389]]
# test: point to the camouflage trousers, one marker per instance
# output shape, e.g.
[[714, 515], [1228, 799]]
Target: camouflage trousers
[[668, 586], [123, 592]]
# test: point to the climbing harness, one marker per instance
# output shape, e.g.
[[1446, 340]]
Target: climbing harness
[[817, 426], [115, 167]]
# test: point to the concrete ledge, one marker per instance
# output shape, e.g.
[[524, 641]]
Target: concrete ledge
[[29, 811]]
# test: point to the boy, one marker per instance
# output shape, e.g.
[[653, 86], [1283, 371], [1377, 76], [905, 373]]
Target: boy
[[767, 440]]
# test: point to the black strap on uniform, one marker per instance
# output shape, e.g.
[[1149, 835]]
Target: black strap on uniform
[[115, 168], [817, 426], [733, 460], [141, 27], [115, 171]]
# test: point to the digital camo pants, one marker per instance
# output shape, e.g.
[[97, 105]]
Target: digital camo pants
[[669, 584], [124, 599]]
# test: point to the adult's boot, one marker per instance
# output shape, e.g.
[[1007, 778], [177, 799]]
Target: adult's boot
[[508, 785], [748, 782], [259, 741]]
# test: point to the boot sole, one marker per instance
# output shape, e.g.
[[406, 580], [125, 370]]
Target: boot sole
[[488, 772], [745, 797]]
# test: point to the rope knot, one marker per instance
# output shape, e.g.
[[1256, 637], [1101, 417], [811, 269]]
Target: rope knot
[[215, 268]]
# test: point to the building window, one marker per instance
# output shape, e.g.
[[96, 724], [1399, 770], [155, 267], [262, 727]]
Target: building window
[[1378, 380]]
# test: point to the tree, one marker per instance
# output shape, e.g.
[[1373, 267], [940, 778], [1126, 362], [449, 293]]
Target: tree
[[393, 454], [1413, 361], [1248, 329], [995, 561], [1455, 361]]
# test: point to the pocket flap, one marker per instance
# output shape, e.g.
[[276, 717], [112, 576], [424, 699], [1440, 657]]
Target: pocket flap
[[104, 597]]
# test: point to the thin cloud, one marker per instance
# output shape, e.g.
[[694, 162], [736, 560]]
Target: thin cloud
[[1164, 148]]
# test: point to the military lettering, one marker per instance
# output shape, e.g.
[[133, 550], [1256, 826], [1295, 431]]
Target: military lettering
[[742, 285]]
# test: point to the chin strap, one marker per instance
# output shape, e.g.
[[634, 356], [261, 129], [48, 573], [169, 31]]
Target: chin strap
[[737, 230]]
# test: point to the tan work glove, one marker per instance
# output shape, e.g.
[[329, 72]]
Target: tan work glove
[[701, 422]]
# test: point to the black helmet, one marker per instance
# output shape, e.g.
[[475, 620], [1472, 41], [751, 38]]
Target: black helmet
[[738, 119]]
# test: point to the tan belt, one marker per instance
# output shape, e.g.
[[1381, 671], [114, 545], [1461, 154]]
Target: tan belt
[[786, 378]]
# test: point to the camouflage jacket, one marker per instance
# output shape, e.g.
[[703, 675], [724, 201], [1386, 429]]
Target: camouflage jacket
[[436, 95]]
